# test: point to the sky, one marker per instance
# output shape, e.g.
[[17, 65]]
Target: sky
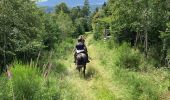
[[71, 3]]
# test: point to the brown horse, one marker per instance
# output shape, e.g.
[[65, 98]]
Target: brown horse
[[81, 61]]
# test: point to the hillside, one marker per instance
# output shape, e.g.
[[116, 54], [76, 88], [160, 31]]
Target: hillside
[[50, 4], [50, 9], [70, 3]]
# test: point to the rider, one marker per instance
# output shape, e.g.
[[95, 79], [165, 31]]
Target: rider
[[80, 48]]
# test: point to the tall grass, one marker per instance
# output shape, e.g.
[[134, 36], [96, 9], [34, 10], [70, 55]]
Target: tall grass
[[128, 58], [28, 83], [64, 48], [130, 69]]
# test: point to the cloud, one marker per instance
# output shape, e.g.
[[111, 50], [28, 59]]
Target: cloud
[[40, 0]]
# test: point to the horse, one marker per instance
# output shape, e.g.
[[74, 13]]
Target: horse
[[81, 61]]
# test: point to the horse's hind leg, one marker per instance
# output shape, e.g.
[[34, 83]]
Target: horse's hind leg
[[79, 69], [84, 70]]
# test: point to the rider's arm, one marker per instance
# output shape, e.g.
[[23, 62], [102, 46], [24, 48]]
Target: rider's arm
[[85, 48]]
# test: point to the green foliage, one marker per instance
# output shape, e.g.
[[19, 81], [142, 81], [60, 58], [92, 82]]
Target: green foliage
[[98, 30], [73, 22], [137, 83], [64, 48], [59, 69], [86, 8], [142, 16], [76, 13], [52, 35], [137, 22], [26, 31], [28, 83], [21, 30], [140, 89], [138, 14], [65, 24], [96, 35], [62, 7], [80, 29], [6, 88], [165, 36], [128, 58]]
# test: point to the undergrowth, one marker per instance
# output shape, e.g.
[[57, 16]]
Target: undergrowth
[[28, 83], [131, 70]]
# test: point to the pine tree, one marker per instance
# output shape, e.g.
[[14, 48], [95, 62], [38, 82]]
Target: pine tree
[[86, 8]]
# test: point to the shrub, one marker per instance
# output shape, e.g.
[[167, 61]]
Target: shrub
[[96, 36], [128, 58], [111, 43], [60, 68], [6, 92], [27, 83], [64, 48]]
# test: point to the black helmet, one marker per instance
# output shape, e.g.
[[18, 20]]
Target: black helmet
[[79, 39]]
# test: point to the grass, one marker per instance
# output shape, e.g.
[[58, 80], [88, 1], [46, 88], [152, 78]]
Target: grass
[[29, 84], [98, 84], [139, 84], [107, 77]]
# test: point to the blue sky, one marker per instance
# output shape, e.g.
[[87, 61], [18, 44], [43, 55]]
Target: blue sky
[[70, 3]]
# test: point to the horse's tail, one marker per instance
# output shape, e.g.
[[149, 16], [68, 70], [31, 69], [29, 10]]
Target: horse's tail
[[81, 59]]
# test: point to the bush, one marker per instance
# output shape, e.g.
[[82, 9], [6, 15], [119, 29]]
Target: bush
[[27, 83], [111, 43], [64, 48], [96, 36], [6, 92], [60, 68], [128, 58]]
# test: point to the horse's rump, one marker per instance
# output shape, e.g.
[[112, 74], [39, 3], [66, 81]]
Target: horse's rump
[[81, 59]]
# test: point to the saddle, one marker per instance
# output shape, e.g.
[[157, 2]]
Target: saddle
[[80, 51]]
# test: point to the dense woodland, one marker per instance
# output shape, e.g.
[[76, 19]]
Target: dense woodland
[[136, 55], [27, 30], [142, 23]]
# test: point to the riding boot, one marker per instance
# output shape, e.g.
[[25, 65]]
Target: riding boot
[[87, 58], [75, 54]]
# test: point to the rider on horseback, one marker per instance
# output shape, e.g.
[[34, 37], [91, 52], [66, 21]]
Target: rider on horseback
[[80, 48]]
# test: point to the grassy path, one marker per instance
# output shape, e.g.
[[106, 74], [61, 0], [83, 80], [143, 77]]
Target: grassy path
[[98, 83], [106, 81]]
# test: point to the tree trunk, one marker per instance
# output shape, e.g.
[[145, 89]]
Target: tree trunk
[[146, 44], [136, 40]]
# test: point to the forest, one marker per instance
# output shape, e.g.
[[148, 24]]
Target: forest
[[128, 42]]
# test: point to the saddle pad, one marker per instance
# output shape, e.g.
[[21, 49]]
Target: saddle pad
[[79, 51]]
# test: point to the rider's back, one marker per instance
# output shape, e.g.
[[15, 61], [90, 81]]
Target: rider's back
[[80, 46]]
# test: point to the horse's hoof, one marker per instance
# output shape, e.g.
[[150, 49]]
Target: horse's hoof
[[77, 68]]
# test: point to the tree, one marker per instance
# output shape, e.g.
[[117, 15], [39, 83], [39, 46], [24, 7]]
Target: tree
[[65, 24], [165, 36], [136, 21], [21, 30], [62, 7], [75, 13], [104, 5], [86, 8], [52, 33]]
